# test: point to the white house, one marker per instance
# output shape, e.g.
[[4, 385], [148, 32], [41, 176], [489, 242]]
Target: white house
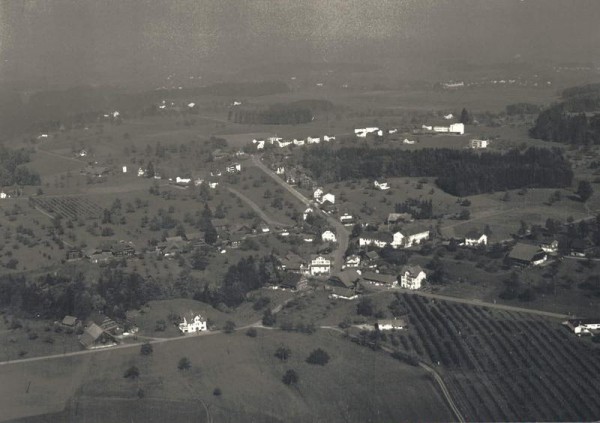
[[346, 219], [320, 265], [353, 261], [273, 140], [328, 236], [318, 193], [327, 197], [195, 324], [584, 326], [124, 169], [550, 247], [141, 172], [3, 195], [306, 213], [213, 185], [411, 277], [392, 131], [381, 185], [477, 144], [280, 170], [441, 129], [362, 132], [475, 238], [449, 116], [391, 324], [234, 168], [260, 145], [198, 182], [407, 141], [264, 228], [327, 138], [378, 239], [457, 128], [299, 143], [182, 181], [427, 127], [311, 140], [409, 238]]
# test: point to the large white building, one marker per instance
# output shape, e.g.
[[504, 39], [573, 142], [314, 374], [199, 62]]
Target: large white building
[[320, 265], [195, 324], [412, 277], [409, 238], [477, 144], [328, 236]]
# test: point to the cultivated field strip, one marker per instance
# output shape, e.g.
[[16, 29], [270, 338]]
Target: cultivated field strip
[[505, 366], [69, 207]]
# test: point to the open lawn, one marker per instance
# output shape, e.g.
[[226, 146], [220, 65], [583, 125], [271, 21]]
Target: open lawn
[[377, 388]]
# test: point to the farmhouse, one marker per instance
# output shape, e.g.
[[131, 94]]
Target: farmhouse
[[527, 254], [306, 213], [412, 277], [327, 138], [318, 193], [320, 265], [294, 281], [409, 237], [345, 279], [3, 195], [584, 326], [306, 237], [192, 324], [391, 324], [94, 336], [550, 247], [264, 228], [279, 170], [182, 181], [70, 321], [328, 236], [475, 238], [347, 219], [299, 143], [343, 294], [376, 238], [311, 140], [327, 198], [294, 263], [380, 279], [100, 257], [394, 218], [478, 144], [362, 132]]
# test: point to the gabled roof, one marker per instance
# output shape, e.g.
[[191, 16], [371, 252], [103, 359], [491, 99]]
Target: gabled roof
[[412, 270], [395, 217], [474, 234], [347, 278], [378, 235], [372, 255], [392, 322], [69, 320], [90, 335], [379, 277], [414, 229]]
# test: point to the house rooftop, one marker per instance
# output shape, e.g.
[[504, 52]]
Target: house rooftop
[[473, 234], [413, 270], [347, 277], [378, 235], [90, 335], [379, 278], [524, 252]]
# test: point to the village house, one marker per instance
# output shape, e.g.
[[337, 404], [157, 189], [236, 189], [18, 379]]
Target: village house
[[362, 132], [410, 237], [306, 213], [479, 144], [408, 142], [584, 326], [213, 185], [372, 259], [380, 279], [279, 170], [327, 138], [327, 198], [3, 195], [391, 324], [234, 168], [383, 186], [396, 218], [375, 238], [70, 321], [328, 236], [526, 255], [306, 237], [475, 238], [352, 261], [294, 263], [346, 219], [299, 143], [100, 257], [339, 293], [264, 228], [320, 265], [192, 324], [550, 247], [94, 336], [412, 277], [318, 193], [182, 181], [313, 140], [347, 278]]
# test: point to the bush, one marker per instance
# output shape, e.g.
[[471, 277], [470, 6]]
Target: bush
[[261, 303], [290, 377], [319, 357], [268, 318], [283, 353], [217, 392], [146, 348], [252, 332], [32, 335], [160, 326], [229, 326], [131, 373], [184, 363]]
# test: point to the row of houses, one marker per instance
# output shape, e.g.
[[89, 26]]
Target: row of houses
[[281, 142], [405, 238], [454, 128]]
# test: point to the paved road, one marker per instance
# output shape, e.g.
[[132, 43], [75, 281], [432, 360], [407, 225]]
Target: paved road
[[258, 210], [342, 234]]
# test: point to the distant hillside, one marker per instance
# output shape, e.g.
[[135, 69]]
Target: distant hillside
[[575, 120]]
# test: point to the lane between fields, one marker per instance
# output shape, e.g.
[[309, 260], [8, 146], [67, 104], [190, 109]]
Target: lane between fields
[[257, 209]]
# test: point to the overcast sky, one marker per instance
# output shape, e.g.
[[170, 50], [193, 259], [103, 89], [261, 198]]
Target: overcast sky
[[87, 41]]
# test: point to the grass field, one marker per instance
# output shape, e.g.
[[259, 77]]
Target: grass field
[[375, 387]]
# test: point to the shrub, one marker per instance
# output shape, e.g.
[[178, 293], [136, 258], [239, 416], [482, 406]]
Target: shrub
[[146, 348], [217, 392], [283, 353], [252, 332], [268, 318], [261, 303], [319, 357], [160, 326], [131, 373], [184, 363], [229, 326], [290, 377]]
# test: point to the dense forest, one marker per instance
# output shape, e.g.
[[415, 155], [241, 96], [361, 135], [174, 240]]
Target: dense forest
[[458, 172], [573, 120], [276, 114], [11, 170]]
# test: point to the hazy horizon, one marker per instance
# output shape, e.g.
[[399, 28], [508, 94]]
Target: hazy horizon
[[71, 42]]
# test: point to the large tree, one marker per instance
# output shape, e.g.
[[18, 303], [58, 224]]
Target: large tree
[[584, 190]]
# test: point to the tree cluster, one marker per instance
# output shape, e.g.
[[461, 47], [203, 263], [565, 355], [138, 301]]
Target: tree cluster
[[458, 172], [418, 209], [11, 170]]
